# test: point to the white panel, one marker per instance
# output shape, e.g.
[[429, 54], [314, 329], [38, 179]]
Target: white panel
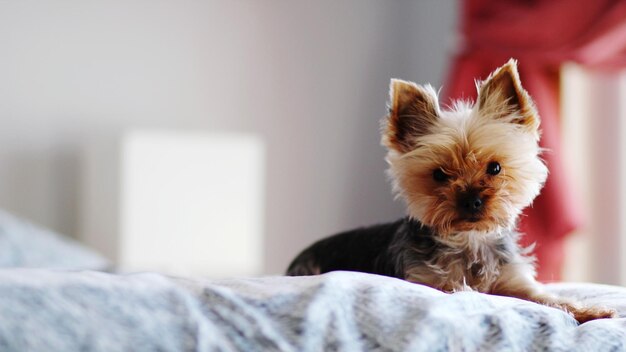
[[594, 127], [575, 146], [605, 178], [191, 203]]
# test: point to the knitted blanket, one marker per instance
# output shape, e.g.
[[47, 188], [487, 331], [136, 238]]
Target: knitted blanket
[[55, 310]]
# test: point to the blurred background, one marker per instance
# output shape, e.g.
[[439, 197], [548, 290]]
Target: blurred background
[[94, 94]]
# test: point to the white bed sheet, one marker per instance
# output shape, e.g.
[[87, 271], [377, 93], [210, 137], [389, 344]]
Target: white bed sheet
[[54, 310]]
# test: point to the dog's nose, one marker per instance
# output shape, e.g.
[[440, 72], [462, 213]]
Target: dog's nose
[[470, 202]]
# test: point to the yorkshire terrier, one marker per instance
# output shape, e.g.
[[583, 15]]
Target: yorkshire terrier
[[465, 175]]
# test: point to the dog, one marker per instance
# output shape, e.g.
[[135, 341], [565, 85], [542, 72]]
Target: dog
[[465, 174]]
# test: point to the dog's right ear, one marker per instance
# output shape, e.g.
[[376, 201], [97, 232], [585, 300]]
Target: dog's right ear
[[413, 109]]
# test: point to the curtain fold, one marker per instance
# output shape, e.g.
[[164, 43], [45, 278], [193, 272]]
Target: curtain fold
[[541, 35]]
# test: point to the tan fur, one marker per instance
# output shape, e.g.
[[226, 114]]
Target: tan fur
[[462, 141], [502, 127]]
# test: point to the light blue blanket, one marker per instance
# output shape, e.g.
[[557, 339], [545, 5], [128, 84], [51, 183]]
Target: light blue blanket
[[47, 310]]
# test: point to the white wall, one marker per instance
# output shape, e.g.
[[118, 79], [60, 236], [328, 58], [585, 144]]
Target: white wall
[[310, 78]]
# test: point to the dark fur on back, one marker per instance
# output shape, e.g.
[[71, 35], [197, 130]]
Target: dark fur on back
[[371, 250], [394, 249]]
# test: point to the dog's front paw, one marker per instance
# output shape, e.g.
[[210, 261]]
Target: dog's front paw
[[585, 314]]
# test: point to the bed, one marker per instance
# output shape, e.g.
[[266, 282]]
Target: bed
[[76, 309]]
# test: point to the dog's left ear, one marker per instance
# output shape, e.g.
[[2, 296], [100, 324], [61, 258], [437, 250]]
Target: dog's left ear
[[501, 96]]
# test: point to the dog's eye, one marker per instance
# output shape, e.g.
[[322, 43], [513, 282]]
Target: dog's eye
[[493, 168], [439, 175]]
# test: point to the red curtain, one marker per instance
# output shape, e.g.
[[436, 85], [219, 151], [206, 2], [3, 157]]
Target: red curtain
[[541, 35]]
